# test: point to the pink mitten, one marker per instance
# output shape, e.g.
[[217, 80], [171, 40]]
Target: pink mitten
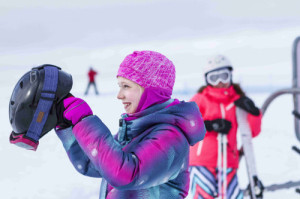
[[71, 111]]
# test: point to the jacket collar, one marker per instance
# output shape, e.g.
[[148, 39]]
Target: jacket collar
[[184, 116], [130, 123], [220, 94]]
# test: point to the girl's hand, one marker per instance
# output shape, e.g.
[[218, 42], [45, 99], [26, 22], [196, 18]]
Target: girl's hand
[[248, 105], [71, 110], [218, 125]]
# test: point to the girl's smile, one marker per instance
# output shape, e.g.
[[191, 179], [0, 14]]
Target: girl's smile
[[130, 93]]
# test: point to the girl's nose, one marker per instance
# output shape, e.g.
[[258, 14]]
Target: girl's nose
[[120, 95]]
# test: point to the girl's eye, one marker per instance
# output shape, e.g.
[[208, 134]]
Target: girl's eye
[[124, 86]]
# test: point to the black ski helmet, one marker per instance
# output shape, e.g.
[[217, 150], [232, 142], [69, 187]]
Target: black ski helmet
[[27, 94]]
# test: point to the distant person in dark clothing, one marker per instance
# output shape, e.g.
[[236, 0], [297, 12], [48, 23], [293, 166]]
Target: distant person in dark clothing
[[92, 73]]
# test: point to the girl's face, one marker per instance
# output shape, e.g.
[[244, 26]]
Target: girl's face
[[130, 93]]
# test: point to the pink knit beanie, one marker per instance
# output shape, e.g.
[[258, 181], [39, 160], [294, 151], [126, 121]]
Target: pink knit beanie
[[148, 69]]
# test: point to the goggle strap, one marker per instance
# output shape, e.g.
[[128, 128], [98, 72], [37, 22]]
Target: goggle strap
[[44, 105]]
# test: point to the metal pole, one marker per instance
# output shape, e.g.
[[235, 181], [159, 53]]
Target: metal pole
[[276, 94]]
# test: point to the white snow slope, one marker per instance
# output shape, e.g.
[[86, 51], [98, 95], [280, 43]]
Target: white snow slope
[[262, 65]]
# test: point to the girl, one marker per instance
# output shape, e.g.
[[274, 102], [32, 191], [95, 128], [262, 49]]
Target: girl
[[148, 158], [217, 101]]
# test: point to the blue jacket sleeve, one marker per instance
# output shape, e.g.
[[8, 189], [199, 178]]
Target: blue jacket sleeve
[[154, 160], [80, 161]]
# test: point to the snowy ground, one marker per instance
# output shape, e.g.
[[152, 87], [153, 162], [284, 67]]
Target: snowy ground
[[47, 173]]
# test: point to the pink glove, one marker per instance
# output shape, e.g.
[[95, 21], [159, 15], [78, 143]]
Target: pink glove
[[71, 111]]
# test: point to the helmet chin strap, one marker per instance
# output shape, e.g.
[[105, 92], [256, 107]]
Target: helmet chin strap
[[29, 140]]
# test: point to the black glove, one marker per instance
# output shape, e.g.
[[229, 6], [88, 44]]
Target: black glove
[[258, 186], [248, 105], [219, 125], [70, 111], [61, 121]]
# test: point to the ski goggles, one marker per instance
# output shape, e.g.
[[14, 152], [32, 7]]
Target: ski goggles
[[215, 77]]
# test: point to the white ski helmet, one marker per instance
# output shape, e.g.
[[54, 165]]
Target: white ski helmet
[[216, 62]]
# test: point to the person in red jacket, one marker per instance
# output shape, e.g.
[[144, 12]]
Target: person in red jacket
[[92, 73], [217, 101]]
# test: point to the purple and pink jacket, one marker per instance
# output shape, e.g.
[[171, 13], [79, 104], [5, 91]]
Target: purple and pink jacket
[[147, 159]]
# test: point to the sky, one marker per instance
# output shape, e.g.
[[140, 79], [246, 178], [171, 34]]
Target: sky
[[255, 35], [31, 25]]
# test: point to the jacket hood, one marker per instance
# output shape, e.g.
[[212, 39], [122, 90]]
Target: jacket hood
[[184, 115]]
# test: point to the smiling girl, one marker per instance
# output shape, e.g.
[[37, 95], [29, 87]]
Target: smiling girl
[[148, 158]]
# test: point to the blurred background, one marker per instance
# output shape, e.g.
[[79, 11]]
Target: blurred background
[[257, 37]]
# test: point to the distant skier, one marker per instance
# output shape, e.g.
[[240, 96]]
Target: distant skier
[[91, 74], [217, 101]]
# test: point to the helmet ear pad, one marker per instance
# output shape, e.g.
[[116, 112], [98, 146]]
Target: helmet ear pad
[[26, 95]]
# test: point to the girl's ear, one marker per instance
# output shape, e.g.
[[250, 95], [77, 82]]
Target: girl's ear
[[141, 89]]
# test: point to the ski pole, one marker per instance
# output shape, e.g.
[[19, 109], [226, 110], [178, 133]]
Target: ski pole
[[224, 147], [219, 166]]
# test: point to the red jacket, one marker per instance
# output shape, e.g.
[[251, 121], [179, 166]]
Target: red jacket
[[92, 75], [218, 103]]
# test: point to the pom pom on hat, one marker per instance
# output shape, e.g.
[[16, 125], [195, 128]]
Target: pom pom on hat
[[148, 69]]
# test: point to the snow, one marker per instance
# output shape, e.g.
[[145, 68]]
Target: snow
[[47, 173], [257, 39]]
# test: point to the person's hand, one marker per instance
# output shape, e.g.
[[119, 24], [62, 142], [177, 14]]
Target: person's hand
[[248, 105], [71, 110], [219, 125]]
